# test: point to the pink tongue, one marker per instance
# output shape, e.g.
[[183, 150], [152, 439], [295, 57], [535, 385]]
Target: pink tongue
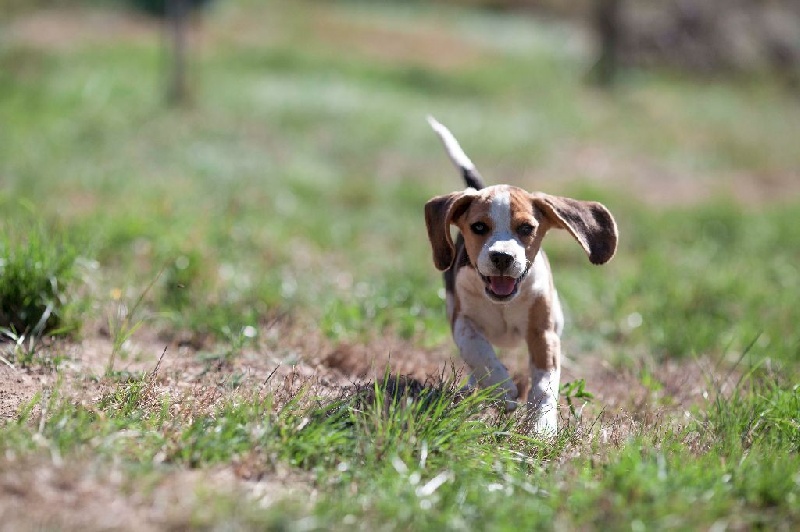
[[502, 285]]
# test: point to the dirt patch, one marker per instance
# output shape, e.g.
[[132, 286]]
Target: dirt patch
[[372, 360], [60, 29], [430, 47], [38, 495], [17, 388], [669, 387], [43, 492]]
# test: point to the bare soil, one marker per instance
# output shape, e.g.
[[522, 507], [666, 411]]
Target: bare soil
[[17, 387], [63, 29]]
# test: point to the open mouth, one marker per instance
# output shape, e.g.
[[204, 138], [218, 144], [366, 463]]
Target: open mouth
[[501, 287]]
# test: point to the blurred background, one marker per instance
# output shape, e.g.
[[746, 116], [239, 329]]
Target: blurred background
[[230, 163]]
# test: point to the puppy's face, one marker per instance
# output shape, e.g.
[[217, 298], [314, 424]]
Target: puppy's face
[[500, 227]]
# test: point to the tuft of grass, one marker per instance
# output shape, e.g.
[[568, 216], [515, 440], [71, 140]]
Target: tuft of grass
[[38, 278], [123, 323], [760, 413]]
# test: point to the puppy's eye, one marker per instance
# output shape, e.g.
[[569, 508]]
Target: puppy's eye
[[479, 228], [525, 229]]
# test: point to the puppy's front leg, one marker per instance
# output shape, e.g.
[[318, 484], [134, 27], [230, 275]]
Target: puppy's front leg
[[479, 355], [543, 397], [544, 349]]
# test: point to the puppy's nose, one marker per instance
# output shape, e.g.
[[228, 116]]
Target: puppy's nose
[[501, 260]]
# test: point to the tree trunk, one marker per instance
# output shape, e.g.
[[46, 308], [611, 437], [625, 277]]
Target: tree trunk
[[607, 22], [177, 21]]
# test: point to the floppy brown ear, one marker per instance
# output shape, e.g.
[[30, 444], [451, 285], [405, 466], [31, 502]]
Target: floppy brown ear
[[589, 222], [439, 214]]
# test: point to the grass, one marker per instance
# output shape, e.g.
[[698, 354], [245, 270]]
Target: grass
[[419, 455], [277, 219], [39, 273]]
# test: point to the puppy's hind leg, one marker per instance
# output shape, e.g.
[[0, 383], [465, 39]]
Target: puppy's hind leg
[[479, 355]]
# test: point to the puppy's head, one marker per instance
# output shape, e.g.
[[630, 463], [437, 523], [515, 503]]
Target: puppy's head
[[503, 228]]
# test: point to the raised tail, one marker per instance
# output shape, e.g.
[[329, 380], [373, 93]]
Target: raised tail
[[471, 176]]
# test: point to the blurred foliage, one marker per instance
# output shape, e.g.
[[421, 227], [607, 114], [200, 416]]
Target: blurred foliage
[[153, 7], [704, 37], [700, 36], [713, 36]]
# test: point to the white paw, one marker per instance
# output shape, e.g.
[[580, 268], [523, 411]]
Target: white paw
[[543, 400], [547, 422], [544, 409]]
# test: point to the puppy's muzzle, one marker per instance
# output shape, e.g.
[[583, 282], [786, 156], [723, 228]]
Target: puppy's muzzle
[[502, 287]]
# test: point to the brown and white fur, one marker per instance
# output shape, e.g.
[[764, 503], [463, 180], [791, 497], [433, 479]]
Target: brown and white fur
[[498, 281]]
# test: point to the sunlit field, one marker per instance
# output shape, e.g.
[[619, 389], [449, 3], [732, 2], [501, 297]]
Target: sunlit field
[[224, 314]]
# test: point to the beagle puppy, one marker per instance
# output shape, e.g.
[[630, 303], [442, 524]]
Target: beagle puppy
[[497, 280]]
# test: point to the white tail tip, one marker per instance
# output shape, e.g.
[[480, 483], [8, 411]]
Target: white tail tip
[[452, 146]]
